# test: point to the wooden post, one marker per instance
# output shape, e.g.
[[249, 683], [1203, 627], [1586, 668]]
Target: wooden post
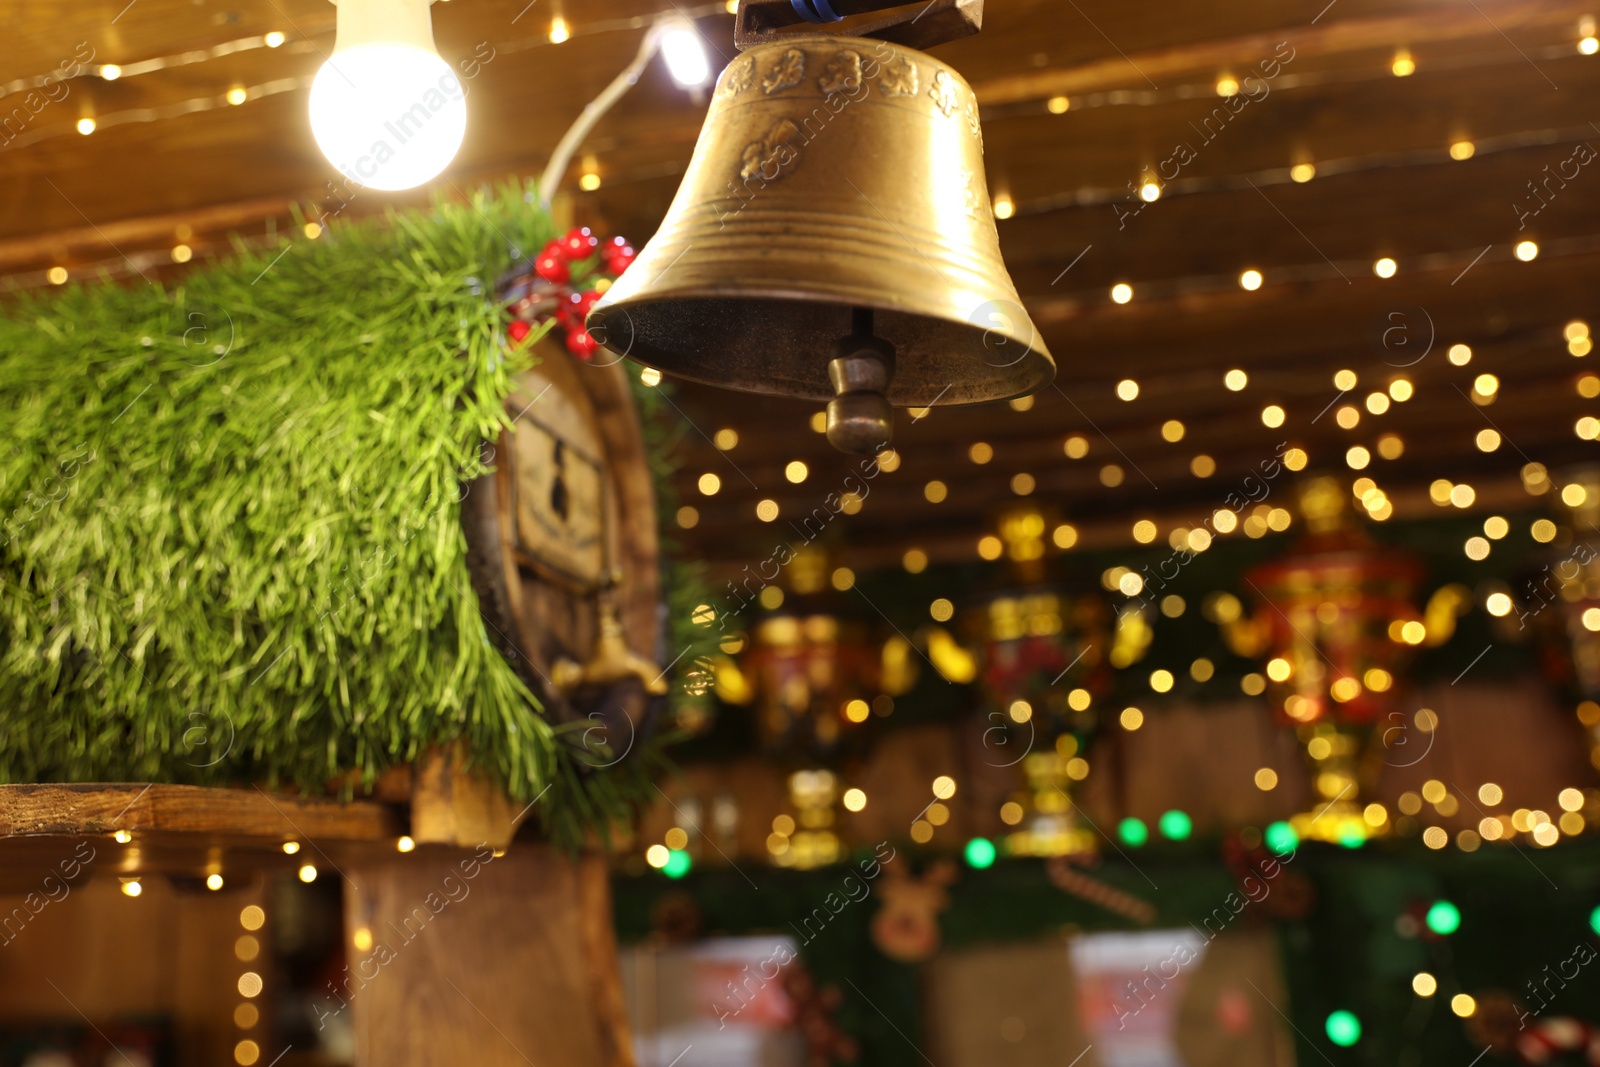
[[493, 961]]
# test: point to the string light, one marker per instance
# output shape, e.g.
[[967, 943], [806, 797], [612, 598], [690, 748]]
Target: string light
[[1272, 416], [1004, 206], [1122, 292], [1403, 65], [559, 31], [1227, 85], [1385, 267], [1462, 150], [273, 39], [796, 471], [86, 125], [110, 72], [1058, 105], [1250, 280], [767, 511], [1127, 389], [1149, 191], [1235, 380], [1527, 251], [1302, 172], [1460, 355], [237, 95]]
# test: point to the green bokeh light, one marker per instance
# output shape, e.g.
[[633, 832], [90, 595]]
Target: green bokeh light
[[1280, 838], [1344, 1029], [1176, 824], [1444, 917], [1594, 920], [1133, 832], [980, 853], [678, 864]]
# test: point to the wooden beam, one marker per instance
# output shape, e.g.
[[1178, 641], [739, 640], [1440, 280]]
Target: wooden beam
[[90, 809], [1332, 38]]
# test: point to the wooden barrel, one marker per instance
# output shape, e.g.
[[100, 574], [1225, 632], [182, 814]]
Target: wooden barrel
[[564, 528]]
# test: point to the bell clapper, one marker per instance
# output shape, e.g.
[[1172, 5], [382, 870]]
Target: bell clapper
[[860, 419]]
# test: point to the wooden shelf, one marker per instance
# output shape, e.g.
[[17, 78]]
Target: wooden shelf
[[242, 814]]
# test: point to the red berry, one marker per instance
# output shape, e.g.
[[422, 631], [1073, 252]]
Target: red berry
[[586, 302], [553, 268], [620, 261], [580, 243], [581, 344], [518, 330], [571, 311]]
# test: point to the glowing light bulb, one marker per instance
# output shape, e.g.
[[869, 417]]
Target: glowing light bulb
[[385, 109], [685, 54]]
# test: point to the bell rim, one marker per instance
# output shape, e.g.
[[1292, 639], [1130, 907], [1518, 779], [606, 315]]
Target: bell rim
[[1036, 368], [822, 396]]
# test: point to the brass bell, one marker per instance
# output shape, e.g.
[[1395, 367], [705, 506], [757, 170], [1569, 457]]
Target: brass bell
[[833, 237]]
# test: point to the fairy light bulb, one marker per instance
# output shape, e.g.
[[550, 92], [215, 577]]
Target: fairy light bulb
[[386, 110]]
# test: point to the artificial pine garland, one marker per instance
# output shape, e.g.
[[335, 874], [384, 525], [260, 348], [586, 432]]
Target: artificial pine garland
[[230, 544]]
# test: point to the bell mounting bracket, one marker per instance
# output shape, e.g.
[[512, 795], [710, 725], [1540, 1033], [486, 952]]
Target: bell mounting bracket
[[919, 25]]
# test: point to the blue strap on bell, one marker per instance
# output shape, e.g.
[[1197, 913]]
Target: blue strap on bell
[[819, 11]]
